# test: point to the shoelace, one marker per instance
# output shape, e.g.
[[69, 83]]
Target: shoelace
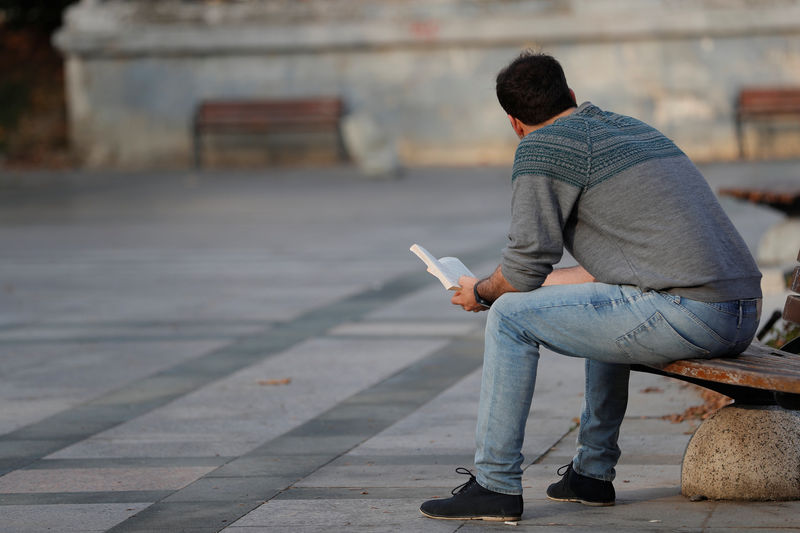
[[565, 469], [464, 486]]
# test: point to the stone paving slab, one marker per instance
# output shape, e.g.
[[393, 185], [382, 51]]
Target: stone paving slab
[[762, 514], [59, 376], [84, 518], [100, 479], [245, 411], [343, 515]]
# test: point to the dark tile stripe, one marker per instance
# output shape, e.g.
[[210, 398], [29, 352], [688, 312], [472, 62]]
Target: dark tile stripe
[[126, 339], [127, 462], [418, 494], [82, 498]]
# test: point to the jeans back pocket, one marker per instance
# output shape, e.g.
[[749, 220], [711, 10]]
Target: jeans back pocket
[[656, 341]]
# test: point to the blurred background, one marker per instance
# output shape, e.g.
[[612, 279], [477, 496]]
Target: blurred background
[[116, 83]]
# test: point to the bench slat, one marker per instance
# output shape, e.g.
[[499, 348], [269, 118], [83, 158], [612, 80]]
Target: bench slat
[[250, 124], [785, 199], [758, 367], [765, 196], [268, 114], [769, 101], [784, 108], [758, 363], [267, 108], [222, 113], [791, 311], [216, 114]]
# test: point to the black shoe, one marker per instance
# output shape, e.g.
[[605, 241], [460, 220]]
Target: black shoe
[[574, 487], [470, 501]]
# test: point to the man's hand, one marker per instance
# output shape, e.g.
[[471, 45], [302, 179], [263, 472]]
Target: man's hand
[[491, 289], [465, 297]]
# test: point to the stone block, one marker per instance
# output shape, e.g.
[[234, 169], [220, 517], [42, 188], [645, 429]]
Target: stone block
[[369, 146], [744, 453], [779, 244]]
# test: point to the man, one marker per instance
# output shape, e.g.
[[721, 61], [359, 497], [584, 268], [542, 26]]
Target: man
[[663, 276]]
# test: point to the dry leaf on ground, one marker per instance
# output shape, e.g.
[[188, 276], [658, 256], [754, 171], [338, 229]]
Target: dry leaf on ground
[[273, 382], [712, 402]]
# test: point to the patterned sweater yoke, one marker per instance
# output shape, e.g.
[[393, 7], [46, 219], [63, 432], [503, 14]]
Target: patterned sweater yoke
[[590, 146]]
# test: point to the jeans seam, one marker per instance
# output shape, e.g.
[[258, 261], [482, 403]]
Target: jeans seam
[[604, 303]]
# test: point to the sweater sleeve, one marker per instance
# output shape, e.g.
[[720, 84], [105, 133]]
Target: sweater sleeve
[[540, 207]]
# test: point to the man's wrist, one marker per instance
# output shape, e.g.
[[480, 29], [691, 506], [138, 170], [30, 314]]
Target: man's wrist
[[478, 298]]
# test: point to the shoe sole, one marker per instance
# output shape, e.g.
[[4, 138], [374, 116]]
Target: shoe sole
[[487, 518], [584, 502]]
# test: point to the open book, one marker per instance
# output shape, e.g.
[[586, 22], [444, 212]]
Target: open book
[[447, 269]]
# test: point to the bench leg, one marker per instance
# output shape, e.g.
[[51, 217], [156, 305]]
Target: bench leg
[[740, 137], [198, 149], [744, 453]]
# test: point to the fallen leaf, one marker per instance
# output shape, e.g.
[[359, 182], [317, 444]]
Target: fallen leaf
[[272, 382], [648, 390], [713, 401]]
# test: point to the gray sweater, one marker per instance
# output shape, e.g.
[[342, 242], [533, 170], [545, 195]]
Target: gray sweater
[[628, 205]]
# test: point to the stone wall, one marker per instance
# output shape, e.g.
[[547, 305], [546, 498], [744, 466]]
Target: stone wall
[[422, 70]]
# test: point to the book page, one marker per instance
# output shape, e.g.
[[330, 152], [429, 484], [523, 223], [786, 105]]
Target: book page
[[446, 269], [452, 268]]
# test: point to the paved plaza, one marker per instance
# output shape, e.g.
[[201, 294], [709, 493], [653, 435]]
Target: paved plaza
[[259, 351]]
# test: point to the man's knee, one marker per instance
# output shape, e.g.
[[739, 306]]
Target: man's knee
[[502, 308], [508, 315]]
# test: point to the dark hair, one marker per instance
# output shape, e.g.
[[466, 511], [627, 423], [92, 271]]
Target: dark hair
[[533, 88]]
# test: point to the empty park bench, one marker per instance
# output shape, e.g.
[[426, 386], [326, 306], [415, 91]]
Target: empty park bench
[[266, 117], [751, 449], [765, 103]]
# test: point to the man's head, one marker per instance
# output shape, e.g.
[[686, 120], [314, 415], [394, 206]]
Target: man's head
[[533, 88]]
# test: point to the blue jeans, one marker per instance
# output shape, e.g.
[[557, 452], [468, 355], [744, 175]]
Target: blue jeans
[[611, 326]]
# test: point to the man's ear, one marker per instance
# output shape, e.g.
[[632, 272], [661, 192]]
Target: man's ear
[[517, 125], [572, 94]]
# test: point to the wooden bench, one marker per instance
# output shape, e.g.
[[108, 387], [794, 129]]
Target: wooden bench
[[275, 116], [749, 450], [764, 103]]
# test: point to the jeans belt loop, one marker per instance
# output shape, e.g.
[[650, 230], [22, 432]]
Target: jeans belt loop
[[739, 323]]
